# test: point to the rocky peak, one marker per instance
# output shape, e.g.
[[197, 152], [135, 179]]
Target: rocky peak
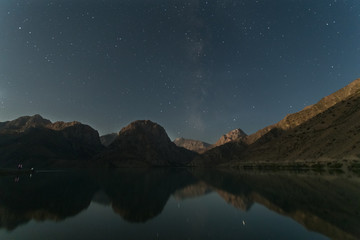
[[192, 145], [146, 143], [76, 131], [60, 125], [180, 139], [37, 119], [23, 123], [145, 130], [33, 138], [236, 134]]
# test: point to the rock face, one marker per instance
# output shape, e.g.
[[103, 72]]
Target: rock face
[[192, 145], [107, 139], [37, 141], [233, 135], [144, 143]]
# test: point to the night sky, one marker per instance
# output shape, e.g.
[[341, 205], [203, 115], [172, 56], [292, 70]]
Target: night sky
[[198, 68]]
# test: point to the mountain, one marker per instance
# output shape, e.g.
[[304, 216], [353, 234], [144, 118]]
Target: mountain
[[145, 143], [293, 120], [332, 134], [21, 124], [33, 140], [192, 145], [233, 135], [327, 130], [201, 147], [79, 134], [107, 139], [296, 119], [220, 154]]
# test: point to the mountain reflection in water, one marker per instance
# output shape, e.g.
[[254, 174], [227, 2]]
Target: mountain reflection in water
[[324, 203]]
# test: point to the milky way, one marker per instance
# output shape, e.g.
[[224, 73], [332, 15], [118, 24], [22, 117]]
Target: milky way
[[198, 68]]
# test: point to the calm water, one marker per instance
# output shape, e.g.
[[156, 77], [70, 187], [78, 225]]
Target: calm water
[[179, 204]]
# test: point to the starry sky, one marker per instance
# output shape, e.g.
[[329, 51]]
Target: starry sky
[[198, 68]]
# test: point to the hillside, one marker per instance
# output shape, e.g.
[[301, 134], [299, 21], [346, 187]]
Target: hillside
[[327, 130], [296, 119], [145, 143], [35, 141]]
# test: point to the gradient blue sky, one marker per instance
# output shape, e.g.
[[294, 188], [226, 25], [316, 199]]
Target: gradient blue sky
[[198, 68]]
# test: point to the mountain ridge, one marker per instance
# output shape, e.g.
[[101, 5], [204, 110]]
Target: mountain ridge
[[295, 119], [33, 140], [331, 134], [192, 145], [328, 129]]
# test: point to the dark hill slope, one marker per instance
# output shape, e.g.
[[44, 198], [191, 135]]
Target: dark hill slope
[[144, 143], [332, 134], [327, 130], [35, 141]]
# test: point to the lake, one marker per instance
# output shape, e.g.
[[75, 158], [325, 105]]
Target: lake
[[180, 204]]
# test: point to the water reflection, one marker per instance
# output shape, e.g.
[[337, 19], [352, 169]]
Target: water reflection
[[43, 197], [328, 204], [324, 203], [139, 194]]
